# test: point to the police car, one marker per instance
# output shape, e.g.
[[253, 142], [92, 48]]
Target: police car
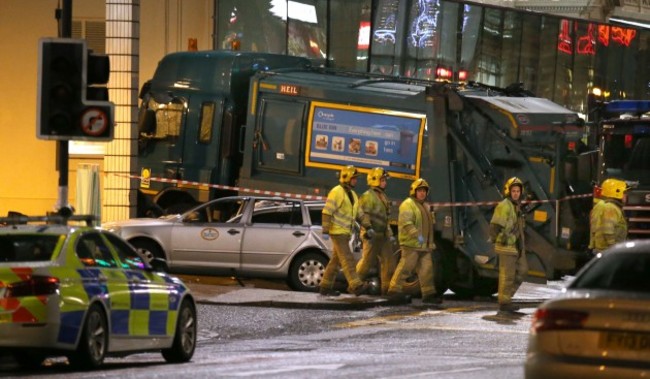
[[85, 293]]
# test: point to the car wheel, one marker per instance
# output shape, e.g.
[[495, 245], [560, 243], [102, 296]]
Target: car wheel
[[306, 272], [93, 343], [151, 252], [184, 344]]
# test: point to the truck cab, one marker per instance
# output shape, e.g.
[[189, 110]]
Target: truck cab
[[190, 118]]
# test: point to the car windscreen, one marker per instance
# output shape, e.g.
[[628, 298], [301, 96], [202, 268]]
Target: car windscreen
[[621, 272], [27, 247]]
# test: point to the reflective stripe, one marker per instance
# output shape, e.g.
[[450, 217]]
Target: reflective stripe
[[343, 212], [607, 225], [374, 209]]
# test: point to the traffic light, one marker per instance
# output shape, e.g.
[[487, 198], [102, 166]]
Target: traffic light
[[72, 97]]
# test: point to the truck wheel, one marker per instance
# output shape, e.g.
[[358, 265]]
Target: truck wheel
[[482, 287], [93, 343], [151, 252], [184, 344], [306, 272]]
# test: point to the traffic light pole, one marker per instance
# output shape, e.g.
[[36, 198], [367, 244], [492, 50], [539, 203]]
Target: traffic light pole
[[64, 18]]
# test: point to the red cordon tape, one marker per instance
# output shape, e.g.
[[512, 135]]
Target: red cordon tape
[[484, 203], [219, 186], [315, 197]]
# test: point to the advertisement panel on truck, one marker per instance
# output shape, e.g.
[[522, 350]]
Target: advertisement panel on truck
[[340, 135]]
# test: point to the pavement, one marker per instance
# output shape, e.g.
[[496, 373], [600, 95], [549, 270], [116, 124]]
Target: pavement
[[529, 294]]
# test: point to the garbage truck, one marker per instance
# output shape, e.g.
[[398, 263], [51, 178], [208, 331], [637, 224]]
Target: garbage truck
[[288, 130]]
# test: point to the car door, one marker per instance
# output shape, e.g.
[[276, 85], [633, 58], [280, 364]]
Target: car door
[[102, 277], [209, 237], [152, 297], [275, 231]]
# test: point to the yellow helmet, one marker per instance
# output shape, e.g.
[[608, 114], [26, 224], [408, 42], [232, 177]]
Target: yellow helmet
[[613, 188], [375, 175], [419, 183], [514, 181], [347, 173]]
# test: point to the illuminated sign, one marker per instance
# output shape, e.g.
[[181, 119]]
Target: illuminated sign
[[340, 135], [286, 89], [586, 43], [364, 35]]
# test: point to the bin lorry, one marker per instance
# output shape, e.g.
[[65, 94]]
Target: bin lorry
[[623, 146], [289, 130]]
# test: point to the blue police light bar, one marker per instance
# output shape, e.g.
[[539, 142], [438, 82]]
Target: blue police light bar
[[628, 106]]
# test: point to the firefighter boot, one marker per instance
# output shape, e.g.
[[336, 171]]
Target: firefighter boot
[[363, 289], [432, 299], [508, 307]]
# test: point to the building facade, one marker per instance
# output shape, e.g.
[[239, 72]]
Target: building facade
[[560, 50]]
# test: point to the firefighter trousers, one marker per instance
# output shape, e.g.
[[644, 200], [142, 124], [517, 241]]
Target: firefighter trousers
[[512, 271], [342, 258], [419, 261], [378, 250]]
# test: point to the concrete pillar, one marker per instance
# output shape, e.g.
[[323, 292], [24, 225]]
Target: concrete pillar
[[123, 48]]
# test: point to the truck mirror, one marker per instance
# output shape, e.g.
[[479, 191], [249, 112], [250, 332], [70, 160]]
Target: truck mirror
[[147, 121]]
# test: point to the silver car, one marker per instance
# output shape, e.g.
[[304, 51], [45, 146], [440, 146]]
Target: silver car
[[247, 236], [599, 327]]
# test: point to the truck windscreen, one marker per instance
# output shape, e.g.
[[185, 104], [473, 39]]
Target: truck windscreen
[[627, 156]]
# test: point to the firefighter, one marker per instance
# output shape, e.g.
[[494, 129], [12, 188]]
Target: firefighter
[[606, 221], [507, 231], [415, 233], [339, 215], [374, 209]]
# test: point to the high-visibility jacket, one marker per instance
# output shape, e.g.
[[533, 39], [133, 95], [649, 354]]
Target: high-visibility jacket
[[607, 225], [374, 210], [510, 239], [411, 225], [339, 211]]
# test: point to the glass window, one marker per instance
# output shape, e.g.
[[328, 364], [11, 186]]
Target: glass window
[[253, 25], [27, 247], [623, 272], [488, 70], [126, 253], [220, 211], [349, 34], [281, 135], [277, 212], [530, 45], [431, 38], [510, 51], [316, 215], [307, 29], [386, 37], [206, 122], [168, 119], [93, 251], [470, 36]]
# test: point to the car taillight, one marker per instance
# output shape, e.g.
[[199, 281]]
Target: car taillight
[[34, 286], [557, 319]]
